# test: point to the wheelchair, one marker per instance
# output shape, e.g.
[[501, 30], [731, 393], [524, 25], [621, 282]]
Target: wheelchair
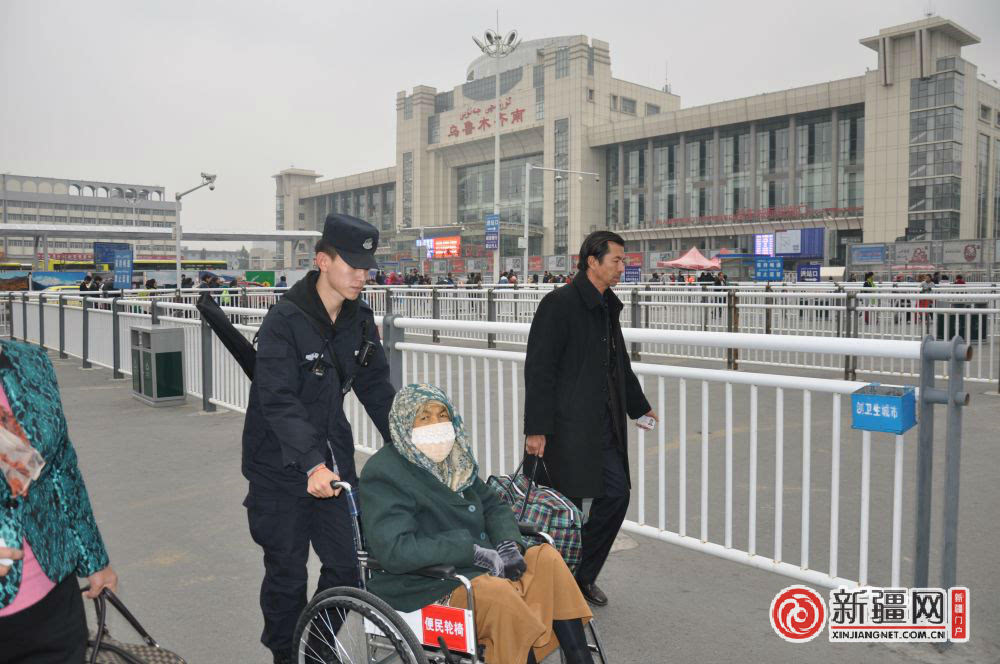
[[346, 625]]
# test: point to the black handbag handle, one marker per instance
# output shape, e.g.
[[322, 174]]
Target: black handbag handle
[[531, 483], [101, 609]]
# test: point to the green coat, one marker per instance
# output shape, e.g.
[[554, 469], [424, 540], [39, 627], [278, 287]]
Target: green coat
[[411, 520]]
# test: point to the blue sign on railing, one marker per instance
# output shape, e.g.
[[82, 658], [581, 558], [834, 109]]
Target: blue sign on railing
[[768, 269], [123, 269], [883, 408], [492, 232], [633, 274]]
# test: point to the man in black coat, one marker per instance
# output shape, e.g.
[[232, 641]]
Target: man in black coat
[[579, 388], [315, 345]]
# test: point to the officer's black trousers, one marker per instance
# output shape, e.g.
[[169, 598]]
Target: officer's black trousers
[[607, 511], [284, 526]]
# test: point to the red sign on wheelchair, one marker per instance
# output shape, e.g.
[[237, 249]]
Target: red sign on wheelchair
[[446, 622]]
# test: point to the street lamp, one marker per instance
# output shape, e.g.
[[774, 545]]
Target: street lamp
[[528, 167], [497, 47], [207, 180]]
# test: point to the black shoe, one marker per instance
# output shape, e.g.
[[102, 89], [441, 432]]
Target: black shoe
[[593, 594]]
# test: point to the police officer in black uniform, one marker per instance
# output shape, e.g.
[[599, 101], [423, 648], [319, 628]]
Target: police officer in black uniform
[[316, 344]]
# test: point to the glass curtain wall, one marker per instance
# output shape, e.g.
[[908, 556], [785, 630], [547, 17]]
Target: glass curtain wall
[[814, 167], [611, 187], [851, 158], [735, 170], [475, 192], [982, 183], [666, 155], [700, 181], [634, 215], [772, 164], [561, 201]]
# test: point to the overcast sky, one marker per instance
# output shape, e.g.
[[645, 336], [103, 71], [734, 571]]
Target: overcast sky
[[154, 92]]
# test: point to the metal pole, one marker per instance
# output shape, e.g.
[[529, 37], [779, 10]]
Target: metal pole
[[435, 314], [636, 321], [527, 185], [491, 315], [925, 465], [206, 368], [10, 314], [116, 356], [41, 320], [177, 244], [24, 316], [85, 336], [62, 329], [496, 170], [958, 398], [154, 314]]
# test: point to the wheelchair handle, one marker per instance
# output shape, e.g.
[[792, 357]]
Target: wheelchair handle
[[341, 485]]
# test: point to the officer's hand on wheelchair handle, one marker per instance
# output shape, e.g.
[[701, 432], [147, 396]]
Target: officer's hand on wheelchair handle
[[535, 444], [319, 483]]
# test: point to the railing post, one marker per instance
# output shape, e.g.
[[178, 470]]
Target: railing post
[[958, 398], [491, 316], [154, 313], [85, 333], [636, 314], [851, 320], [116, 355], [62, 328], [206, 368], [732, 325], [390, 336], [10, 315], [767, 309], [41, 320], [704, 310], [435, 314], [24, 316]]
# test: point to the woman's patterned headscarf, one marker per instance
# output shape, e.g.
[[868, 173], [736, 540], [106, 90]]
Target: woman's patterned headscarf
[[458, 470]]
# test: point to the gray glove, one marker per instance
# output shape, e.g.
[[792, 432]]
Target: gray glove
[[488, 559], [513, 561]]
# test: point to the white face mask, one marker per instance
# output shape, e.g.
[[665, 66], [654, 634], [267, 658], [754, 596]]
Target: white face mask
[[435, 440]]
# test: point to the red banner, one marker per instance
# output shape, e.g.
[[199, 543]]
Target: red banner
[[535, 263], [456, 265], [448, 247], [633, 258]]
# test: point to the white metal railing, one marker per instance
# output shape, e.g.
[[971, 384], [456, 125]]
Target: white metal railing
[[751, 467]]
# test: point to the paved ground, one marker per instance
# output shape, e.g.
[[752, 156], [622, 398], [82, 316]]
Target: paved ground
[[167, 492]]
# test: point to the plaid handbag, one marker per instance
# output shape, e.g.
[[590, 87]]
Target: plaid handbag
[[102, 649], [545, 508]]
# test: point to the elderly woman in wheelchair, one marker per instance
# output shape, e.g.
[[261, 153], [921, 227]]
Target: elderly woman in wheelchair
[[438, 532]]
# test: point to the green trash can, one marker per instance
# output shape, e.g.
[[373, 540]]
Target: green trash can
[[158, 365]]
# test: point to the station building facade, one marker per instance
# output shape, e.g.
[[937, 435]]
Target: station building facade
[[906, 153]]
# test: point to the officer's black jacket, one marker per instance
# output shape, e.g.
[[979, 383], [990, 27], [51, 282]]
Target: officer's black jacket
[[293, 410]]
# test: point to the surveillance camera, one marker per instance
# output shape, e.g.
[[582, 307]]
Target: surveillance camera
[[597, 178], [579, 178], [211, 187]]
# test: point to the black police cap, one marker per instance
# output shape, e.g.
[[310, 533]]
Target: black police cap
[[354, 239]]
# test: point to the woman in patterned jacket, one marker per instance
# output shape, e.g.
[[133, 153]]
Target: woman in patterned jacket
[[48, 536]]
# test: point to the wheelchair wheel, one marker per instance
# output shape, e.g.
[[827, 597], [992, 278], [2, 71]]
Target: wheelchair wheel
[[351, 626]]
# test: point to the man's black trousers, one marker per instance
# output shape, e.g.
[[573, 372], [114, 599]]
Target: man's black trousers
[[284, 526], [607, 511]]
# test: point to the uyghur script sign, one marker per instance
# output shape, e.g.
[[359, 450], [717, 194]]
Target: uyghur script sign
[[478, 119]]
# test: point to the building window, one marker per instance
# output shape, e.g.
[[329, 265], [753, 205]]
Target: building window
[[935, 159], [475, 191], [433, 128], [590, 60], [407, 221], [851, 158], [562, 62], [444, 101], [485, 89], [561, 201], [735, 171], [611, 177], [538, 76], [935, 194], [590, 95], [628, 105], [942, 124], [652, 109], [540, 103], [933, 226], [614, 102], [947, 89], [814, 135], [996, 188], [944, 64], [982, 183], [985, 112], [407, 107]]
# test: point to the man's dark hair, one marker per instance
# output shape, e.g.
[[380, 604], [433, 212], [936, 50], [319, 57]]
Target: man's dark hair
[[596, 245], [324, 246], [98, 277]]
